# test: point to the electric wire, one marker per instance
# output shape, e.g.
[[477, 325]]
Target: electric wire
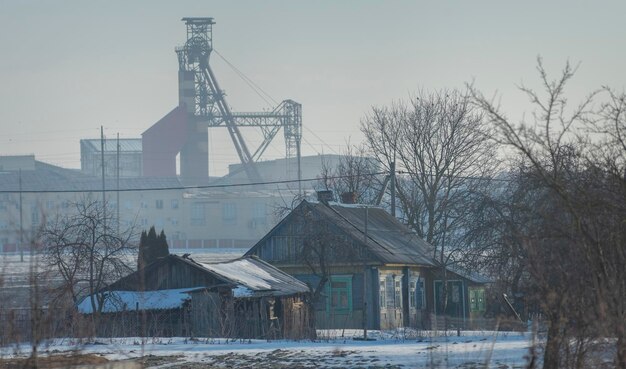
[[256, 88], [196, 187]]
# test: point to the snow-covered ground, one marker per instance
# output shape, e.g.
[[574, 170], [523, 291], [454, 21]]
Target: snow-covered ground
[[388, 350]]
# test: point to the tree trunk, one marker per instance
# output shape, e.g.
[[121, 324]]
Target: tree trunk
[[621, 352], [553, 345]]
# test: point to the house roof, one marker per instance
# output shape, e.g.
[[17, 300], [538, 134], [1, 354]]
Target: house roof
[[248, 275], [118, 301], [390, 241], [255, 277]]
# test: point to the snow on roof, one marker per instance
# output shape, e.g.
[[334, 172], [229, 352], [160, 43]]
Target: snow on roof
[[258, 277], [117, 301], [245, 273]]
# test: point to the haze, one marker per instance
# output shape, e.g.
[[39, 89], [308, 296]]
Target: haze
[[68, 67]]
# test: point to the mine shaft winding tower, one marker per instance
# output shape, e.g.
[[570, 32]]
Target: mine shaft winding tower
[[202, 105]]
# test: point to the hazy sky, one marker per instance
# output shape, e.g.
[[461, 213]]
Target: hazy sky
[[68, 67]]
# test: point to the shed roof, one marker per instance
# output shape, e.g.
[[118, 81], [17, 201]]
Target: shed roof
[[257, 276], [248, 275], [118, 301]]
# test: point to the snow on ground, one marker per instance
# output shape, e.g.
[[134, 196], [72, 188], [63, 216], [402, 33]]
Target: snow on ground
[[388, 350]]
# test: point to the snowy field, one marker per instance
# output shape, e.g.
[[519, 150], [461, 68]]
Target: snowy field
[[390, 350]]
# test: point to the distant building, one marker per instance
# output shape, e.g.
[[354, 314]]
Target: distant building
[[130, 160], [286, 169], [33, 193]]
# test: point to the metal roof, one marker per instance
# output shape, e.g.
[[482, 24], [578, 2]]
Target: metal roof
[[259, 277], [391, 241]]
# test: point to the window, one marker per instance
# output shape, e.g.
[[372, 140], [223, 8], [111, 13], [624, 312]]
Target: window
[[34, 215], [382, 294], [175, 204], [197, 214], [391, 291], [398, 291], [159, 204], [416, 293], [258, 213], [340, 294], [229, 212]]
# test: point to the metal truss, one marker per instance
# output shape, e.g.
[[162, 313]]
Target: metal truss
[[209, 104]]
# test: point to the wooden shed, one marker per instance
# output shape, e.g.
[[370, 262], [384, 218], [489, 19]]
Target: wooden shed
[[177, 296]]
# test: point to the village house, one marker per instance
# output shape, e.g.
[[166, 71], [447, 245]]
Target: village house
[[177, 296], [366, 269]]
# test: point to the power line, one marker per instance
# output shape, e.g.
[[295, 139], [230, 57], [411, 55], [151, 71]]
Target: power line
[[256, 88], [195, 187]]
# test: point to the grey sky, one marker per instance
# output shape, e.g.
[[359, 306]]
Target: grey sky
[[68, 67]]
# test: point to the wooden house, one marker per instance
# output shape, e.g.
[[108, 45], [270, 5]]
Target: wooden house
[[177, 296], [364, 267]]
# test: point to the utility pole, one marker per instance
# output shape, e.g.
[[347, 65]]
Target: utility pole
[[117, 166], [103, 186], [365, 278], [21, 225], [392, 174]]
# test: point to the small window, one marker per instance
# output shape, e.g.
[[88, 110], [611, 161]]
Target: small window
[[159, 204], [340, 294], [416, 293], [175, 204], [197, 214], [382, 294], [398, 291], [229, 212]]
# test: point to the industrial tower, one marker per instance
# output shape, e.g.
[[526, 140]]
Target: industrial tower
[[202, 105]]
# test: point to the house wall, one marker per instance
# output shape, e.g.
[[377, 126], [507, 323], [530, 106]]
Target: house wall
[[401, 297], [340, 315]]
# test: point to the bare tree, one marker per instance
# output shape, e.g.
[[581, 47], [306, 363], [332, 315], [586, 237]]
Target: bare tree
[[86, 251], [578, 251], [356, 174], [441, 145]]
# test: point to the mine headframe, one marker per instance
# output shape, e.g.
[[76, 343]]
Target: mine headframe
[[206, 106]]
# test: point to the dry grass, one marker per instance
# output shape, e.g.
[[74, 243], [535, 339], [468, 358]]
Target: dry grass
[[53, 361]]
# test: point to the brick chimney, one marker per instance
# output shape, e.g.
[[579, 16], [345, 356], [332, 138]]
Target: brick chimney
[[349, 197]]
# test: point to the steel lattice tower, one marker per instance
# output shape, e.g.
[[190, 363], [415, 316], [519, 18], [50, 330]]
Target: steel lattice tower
[[201, 96]]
